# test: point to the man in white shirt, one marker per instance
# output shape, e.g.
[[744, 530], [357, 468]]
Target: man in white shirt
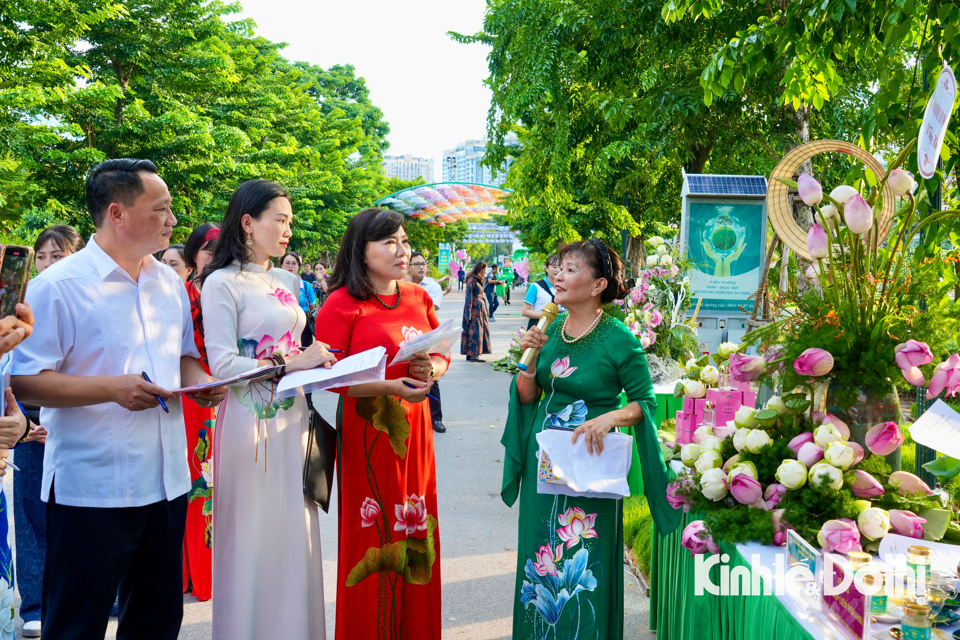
[[115, 474], [418, 275]]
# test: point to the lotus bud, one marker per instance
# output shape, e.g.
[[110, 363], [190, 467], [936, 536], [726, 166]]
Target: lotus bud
[[662, 250], [901, 182], [814, 362], [727, 348], [906, 523], [689, 454], [702, 433], [826, 433], [839, 535], [747, 468], [945, 377], [713, 484], [839, 424], [731, 463], [817, 242], [810, 454], [756, 440], [865, 485], [858, 450], [712, 443], [907, 484], [799, 441], [883, 439], [680, 499], [858, 215], [745, 368], [792, 474], [709, 375], [655, 241], [833, 476], [810, 190], [745, 489], [776, 403], [874, 523], [843, 193], [696, 540], [812, 273], [740, 439], [772, 496], [666, 261], [694, 389], [744, 418], [913, 353], [652, 261], [779, 530], [839, 454], [830, 215], [708, 460]]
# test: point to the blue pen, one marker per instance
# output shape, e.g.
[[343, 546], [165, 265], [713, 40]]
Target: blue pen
[[163, 405], [413, 387], [335, 350]]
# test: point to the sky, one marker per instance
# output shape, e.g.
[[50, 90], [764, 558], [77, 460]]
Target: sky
[[429, 87]]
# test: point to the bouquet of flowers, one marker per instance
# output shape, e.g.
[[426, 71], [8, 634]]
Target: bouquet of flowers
[[781, 468], [869, 297], [656, 308]]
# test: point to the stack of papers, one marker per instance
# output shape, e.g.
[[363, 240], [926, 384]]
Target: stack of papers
[[577, 473], [361, 368], [440, 340], [260, 372]]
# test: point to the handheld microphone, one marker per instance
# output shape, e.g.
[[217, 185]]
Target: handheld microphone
[[548, 315]]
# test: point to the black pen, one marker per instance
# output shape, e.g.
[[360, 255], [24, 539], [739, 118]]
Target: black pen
[[415, 387], [163, 405]]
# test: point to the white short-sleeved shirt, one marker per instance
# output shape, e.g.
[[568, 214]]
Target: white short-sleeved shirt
[[537, 297], [434, 290], [93, 319]]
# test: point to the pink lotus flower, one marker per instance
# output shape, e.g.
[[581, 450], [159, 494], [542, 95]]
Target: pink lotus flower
[[913, 354], [411, 515], [810, 454], [841, 536], [409, 333], [369, 512], [906, 523], [907, 484], [914, 376], [679, 500], [802, 439], [946, 377], [745, 489], [561, 367], [883, 439], [814, 362], [818, 244], [696, 539], [547, 559], [858, 450], [779, 528], [746, 368], [810, 190], [285, 297], [575, 525], [865, 485], [724, 431], [841, 426], [285, 345], [858, 214], [772, 496], [901, 182]]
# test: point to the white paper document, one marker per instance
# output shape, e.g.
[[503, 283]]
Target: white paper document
[[943, 557], [361, 368], [578, 473], [440, 340], [243, 378], [939, 429]]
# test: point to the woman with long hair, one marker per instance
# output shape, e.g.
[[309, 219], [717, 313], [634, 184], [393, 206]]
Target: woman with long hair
[[292, 261], [29, 512], [570, 550], [197, 253], [267, 567], [388, 574], [173, 257], [475, 340]]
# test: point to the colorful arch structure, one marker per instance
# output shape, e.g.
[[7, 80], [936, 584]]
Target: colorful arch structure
[[443, 203]]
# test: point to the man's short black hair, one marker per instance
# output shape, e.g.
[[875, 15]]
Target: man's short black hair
[[116, 180], [416, 254]]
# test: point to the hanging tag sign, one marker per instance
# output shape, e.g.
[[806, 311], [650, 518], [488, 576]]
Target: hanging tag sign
[[935, 121]]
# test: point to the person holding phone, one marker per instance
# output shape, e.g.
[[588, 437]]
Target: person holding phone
[[390, 479], [29, 513], [115, 475], [266, 547]]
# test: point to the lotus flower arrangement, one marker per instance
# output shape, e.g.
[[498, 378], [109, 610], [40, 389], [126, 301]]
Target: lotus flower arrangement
[[779, 468], [880, 314]]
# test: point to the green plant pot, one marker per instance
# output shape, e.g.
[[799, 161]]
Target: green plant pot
[[870, 409]]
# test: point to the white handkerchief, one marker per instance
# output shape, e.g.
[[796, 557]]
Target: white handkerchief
[[597, 476]]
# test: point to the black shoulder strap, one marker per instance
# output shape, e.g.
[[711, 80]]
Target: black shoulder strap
[[546, 287]]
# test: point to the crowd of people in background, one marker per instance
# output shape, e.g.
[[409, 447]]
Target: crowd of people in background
[[121, 476]]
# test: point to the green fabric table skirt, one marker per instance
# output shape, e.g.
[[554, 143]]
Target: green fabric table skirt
[[677, 614], [667, 407]]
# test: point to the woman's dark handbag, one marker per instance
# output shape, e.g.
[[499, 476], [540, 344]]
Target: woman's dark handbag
[[318, 466]]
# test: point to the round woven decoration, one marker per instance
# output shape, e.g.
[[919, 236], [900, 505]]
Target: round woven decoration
[[779, 211]]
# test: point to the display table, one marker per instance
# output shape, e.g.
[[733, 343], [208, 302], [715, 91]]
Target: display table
[[677, 613], [667, 405]]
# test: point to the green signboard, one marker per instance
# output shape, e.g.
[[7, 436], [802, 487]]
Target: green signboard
[[725, 241], [444, 254]]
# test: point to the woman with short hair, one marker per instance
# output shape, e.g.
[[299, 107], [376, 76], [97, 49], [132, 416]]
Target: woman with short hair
[[172, 256], [292, 261], [388, 571], [541, 292]]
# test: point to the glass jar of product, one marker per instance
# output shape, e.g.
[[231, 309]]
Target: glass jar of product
[[916, 623], [878, 601], [918, 561]]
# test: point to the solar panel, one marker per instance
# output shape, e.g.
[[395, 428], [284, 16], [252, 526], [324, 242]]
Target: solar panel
[[720, 185]]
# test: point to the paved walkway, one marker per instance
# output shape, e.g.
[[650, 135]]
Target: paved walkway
[[479, 532]]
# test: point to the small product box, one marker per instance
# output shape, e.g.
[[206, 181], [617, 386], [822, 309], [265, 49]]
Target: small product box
[[712, 395], [743, 386], [689, 405], [750, 399], [727, 404], [698, 408], [685, 428]]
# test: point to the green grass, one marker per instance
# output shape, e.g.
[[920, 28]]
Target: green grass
[[638, 530]]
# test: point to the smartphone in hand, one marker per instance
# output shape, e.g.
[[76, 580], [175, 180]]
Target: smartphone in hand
[[14, 274]]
